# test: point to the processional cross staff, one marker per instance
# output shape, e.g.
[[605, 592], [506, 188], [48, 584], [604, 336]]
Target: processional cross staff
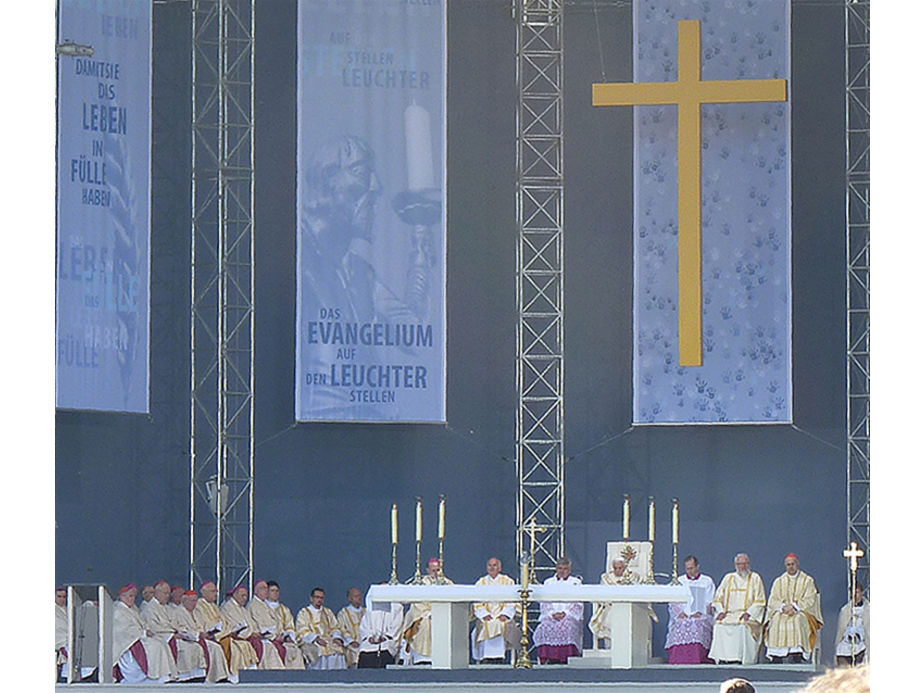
[[688, 93], [853, 553], [527, 562]]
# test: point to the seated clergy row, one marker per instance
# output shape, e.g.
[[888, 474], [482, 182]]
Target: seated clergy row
[[176, 635]]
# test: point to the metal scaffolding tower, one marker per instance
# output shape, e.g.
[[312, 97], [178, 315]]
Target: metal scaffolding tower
[[857, 200], [221, 333], [540, 276]]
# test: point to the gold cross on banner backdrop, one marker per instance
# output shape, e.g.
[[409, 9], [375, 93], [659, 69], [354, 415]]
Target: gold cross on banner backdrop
[[688, 93]]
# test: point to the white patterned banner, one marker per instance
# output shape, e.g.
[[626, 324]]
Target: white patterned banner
[[103, 200], [746, 222], [371, 209]]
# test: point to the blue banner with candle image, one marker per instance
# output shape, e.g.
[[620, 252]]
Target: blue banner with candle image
[[371, 212]]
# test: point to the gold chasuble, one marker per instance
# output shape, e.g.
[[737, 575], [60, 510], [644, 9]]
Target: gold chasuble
[[417, 623], [600, 622], [234, 616], [485, 630], [238, 653], [349, 618], [273, 623], [738, 595], [312, 623], [798, 631]]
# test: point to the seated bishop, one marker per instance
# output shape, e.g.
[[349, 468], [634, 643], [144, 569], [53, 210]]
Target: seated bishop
[[738, 605], [159, 621], [559, 634], [193, 628], [689, 633], [140, 657], [794, 609], [619, 574], [238, 653], [495, 631], [275, 623], [318, 634], [349, 618], [417, 634], [237, 619]]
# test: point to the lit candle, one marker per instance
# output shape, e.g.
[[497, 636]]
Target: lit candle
[[418, 148], [442, 524], [625, 517], [419, 524], [651, 519], [675, 522], [394, 523]]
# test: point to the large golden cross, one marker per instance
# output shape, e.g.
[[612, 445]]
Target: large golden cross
[[688, 93]]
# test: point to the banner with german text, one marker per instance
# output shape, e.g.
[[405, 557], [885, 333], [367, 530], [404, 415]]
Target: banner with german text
[[371, 211], [103, 205]]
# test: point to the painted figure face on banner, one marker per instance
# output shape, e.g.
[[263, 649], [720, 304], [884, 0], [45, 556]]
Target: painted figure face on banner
[[343, 191]]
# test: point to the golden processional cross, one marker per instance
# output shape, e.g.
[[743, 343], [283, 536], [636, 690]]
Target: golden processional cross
[[688, 93]]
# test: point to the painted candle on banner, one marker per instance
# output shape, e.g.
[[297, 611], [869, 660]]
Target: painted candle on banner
[[371, 317]]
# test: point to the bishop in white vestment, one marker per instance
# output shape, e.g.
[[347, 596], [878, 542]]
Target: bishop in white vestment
[[238, 653], [619, 574], [275, 629], [417, 633], [159, 620], [139, 656], [236, 617], [794, 607], [739, 605], [495, 631], [193, 628]]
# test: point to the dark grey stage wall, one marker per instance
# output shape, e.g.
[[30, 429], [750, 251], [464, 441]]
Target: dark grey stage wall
[[323, 491]]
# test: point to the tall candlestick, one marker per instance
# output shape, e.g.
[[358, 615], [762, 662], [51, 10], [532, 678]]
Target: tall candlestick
[[394, 523], [419, 522], [442, 524], [651, 519], [625, 517], [675, 522]]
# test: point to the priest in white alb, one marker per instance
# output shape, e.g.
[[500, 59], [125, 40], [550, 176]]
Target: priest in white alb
[[794, 609], [689, 633], [851, 643], [318, 634], [239, 654], [738, 605], [349, 618], [380, 636], [495, 631], [140, 657], [559, 634], [619, 574], [417, 634]]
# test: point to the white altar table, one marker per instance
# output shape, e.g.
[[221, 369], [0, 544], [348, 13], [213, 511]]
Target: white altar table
[[451, 610]]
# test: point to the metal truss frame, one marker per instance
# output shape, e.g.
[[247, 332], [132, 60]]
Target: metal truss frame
[[221, 448], [857, 77], [540, 278]]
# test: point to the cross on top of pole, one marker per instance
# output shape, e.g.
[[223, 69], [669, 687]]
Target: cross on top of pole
[[853, 553], [688, 93]]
